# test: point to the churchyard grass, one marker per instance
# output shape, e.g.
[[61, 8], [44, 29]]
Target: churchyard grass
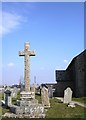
[[57, 109], [0, 96], [2, 109], [38, 97], [81, 99], [5, 110], [60, 110]]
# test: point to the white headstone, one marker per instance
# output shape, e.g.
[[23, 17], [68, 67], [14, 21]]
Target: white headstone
[[67, 95]]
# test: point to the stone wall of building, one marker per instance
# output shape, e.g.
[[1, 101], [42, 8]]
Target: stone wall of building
[[74, 76], [60, 75], [80, 78], [61, 86]]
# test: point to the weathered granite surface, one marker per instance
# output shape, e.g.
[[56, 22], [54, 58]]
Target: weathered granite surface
[[27, 53]]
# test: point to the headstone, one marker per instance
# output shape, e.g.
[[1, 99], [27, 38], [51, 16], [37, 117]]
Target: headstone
[[45, 97], [14, 92], [8, 98], [67, 95], [21, 84], [5, 89], [33, 89], [50, 91]]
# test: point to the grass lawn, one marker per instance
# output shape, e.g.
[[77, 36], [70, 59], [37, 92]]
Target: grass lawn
[[60, 110], [0, 111], [38, 97], [4, 110], [0, 96], [57, 109], [81, 99]]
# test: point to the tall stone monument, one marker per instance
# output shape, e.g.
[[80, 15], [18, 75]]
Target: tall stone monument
[[27, 94], [27, 53], [28, 106]]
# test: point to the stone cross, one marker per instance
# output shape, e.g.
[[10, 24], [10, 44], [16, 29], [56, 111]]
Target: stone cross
[[27, 53]]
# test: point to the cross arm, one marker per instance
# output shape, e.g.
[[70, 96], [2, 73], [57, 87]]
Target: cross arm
[[21, 53], [32, 53]]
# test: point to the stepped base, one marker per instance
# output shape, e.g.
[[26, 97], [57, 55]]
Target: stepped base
[[27, 95], [28, 107]]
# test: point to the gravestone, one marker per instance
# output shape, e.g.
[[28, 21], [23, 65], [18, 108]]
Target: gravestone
[[14, 92], [5, 89], [21, 86], [8, 100], [50, 91], [45, 97], [33, 89], [67, 95]]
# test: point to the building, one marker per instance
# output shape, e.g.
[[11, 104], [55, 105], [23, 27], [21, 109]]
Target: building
[[74, 77]]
